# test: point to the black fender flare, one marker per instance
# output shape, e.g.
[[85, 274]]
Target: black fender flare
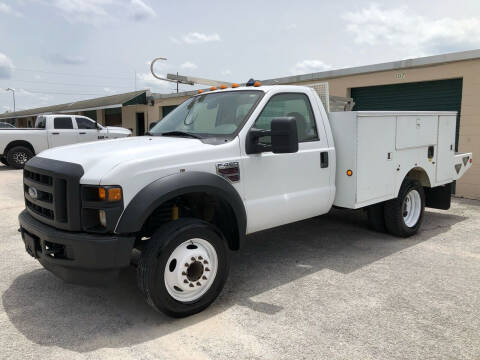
[[154, 194]]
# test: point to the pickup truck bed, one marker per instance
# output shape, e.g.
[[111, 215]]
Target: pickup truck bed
[[381, 147]]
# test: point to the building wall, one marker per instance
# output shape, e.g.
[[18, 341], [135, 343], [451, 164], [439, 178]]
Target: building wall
[[469, 139]]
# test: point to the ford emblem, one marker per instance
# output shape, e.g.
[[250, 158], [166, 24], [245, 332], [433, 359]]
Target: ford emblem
[[32, 192]]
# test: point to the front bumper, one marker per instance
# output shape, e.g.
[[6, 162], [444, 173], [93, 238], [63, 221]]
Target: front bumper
[[76, 257]]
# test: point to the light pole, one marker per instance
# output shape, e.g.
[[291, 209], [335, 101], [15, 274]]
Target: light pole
[[13, 92]]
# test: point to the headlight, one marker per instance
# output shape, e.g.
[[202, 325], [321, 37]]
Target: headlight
[[102, 217], [101, 207]]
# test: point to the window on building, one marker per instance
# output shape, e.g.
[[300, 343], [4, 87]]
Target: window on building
[[63, 123]]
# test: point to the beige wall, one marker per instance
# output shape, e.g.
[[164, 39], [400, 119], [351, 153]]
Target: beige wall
[[469, 140]]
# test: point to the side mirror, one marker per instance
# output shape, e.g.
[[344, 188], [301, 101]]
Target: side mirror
[[283, 134], [152, 124]]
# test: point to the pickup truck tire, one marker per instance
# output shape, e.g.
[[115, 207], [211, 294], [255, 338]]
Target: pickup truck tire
[[404, 215], [18, 156], [183, 267], [376, 217]]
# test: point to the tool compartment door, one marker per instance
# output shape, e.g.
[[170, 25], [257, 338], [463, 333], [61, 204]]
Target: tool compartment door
[[375, 157], [445, 148]]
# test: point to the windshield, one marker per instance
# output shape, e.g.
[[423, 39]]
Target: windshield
[[211, 114]]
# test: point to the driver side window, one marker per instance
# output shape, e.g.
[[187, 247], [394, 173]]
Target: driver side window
[[289, 105]]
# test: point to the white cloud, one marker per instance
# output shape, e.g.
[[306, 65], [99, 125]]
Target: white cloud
[[309, 66], [400, 27], [188, 66], [226, 72], [65, 59], [99, 11], [141, 11], [6, 67], [196, 38], [147, 81], [291, 26], [7, 9]]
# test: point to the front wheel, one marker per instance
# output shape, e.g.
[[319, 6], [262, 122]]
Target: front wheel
[[18, 156], [404, 215], [183, 267]]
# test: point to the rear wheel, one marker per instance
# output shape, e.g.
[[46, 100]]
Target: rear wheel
[[183, 267], [18, 156], [404, 215]]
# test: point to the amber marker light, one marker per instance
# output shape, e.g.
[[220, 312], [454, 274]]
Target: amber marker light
[[235, 85], [102, 194], [213, 88], [114, 194], [223, 86], [200, 91], [349, 172], [257, 83]]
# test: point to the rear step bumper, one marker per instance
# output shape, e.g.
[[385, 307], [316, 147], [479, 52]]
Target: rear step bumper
[[461, 163]]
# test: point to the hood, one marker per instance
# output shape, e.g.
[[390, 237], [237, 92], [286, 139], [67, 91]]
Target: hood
[[118, 129], [98, 157]]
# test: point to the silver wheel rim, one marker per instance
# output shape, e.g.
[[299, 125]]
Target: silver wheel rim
[[20, 157], [190, 270], [412, 207]]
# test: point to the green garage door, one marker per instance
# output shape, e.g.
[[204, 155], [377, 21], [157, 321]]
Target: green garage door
[[440, 95]]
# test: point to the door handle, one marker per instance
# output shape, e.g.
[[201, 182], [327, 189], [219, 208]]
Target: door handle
[[82, 133], [55, 133], [324, 159]]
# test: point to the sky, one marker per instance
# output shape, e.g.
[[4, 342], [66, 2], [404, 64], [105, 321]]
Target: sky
[[59, 51]]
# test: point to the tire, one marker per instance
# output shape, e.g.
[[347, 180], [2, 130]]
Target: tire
[[376, 217], [170, 263], [404, 215], [18, 156], [3, 160]]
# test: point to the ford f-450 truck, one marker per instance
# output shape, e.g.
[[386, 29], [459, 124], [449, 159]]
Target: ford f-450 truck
[[17, 146], [222, 165]]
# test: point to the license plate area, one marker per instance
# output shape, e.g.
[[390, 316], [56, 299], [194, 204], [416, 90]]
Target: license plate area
[[32, 244]]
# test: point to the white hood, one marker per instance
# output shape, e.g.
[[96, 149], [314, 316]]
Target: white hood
[[99, 157]]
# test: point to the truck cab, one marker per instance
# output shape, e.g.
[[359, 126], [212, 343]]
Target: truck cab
[[224, 164]]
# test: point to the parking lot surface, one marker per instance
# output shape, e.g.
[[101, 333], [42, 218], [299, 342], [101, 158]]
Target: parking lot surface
[[324, 288]]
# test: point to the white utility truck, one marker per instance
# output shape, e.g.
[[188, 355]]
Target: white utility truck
[[17, 146], [222, 165]]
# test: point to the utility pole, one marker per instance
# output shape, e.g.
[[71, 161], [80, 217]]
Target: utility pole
[[13, 92]]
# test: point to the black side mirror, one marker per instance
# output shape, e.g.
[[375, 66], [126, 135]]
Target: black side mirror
[[283, 133], [152, 124]]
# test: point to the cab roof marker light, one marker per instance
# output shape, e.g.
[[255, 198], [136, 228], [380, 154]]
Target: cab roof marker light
[[223, 86], [213, 88], [257, 83], [200, 91], [235, 85]]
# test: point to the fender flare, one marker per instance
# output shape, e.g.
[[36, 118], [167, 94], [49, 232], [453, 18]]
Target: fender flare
[[154, 194]]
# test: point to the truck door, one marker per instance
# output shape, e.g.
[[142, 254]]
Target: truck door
[[87, 129], [283, 188], [62, 132]]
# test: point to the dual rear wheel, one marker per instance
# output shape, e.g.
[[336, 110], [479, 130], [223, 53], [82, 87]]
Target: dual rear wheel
[[401, 216]]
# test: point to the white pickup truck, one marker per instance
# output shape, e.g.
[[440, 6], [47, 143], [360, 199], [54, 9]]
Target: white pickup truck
[[222, 165], [17, 146]]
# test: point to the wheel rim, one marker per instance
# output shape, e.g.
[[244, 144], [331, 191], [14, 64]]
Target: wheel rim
[[190, 270], [412, 207], [20, 157]]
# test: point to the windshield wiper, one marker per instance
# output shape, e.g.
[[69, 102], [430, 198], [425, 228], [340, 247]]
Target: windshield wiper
[[181, 133]]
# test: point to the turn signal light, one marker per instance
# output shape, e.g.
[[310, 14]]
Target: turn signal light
[[110, 194], [235, 85], [213, 88], [349, 172]]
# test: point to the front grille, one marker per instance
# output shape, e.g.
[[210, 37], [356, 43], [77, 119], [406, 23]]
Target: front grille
[[52, 192]]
